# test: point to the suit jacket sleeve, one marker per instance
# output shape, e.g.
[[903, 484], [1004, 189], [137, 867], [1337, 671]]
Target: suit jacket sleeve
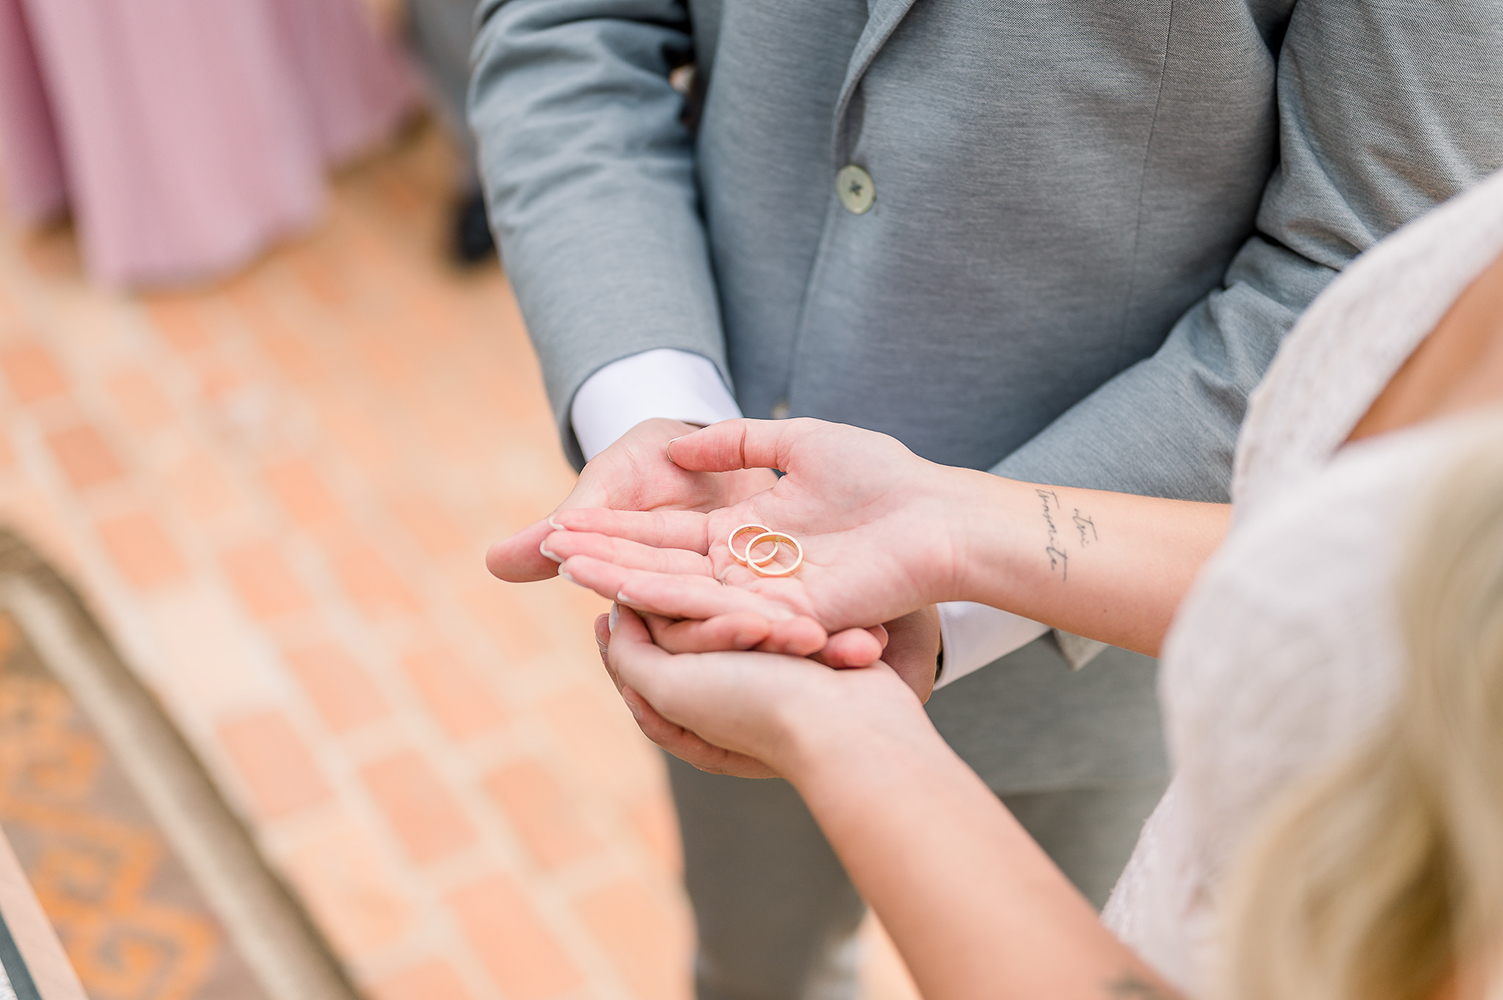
[[589, 173], [1385, 109]]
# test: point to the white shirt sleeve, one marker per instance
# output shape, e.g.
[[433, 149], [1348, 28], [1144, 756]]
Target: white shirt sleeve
[[975, 635], [660, 383]]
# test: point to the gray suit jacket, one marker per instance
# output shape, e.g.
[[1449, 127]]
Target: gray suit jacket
[[1094, 219]]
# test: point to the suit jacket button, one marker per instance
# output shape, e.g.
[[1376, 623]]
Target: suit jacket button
[[780, 410], [854, 188]]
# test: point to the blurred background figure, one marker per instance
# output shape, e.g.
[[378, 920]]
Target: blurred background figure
[[186, 136], [442, 32]]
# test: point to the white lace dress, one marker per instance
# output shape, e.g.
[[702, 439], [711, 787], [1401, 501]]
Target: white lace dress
[[1287, 648]]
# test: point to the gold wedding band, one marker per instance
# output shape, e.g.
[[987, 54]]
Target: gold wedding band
[[744, 558], [778, 539]]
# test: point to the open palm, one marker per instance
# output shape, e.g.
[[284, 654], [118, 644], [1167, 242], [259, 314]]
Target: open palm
[[871, 518]]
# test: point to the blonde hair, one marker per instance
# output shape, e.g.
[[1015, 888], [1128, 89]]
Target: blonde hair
[[1376, 878]]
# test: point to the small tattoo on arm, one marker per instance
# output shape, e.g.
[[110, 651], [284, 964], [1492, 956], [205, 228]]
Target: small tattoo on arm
[[1084, 524], [1130, 986], [1059, 559], [1057, 544]]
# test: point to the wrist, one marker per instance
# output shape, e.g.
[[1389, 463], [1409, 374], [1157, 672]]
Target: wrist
[[984, 536], [833, 737], [845, 755], [825, 752]]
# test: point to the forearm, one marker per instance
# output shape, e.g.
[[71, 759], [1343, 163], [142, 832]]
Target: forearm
[[974, 905], [1109, 566]]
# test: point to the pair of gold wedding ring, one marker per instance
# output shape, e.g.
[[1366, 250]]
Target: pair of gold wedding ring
[[763, 565]]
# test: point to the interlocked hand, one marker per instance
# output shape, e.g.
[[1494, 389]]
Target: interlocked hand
[[636, 474], [873, 521]]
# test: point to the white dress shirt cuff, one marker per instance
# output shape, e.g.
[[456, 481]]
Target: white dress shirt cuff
[[975, 635], [664, 382]]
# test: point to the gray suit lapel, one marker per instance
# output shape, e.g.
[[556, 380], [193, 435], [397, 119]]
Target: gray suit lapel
[[883, 16]]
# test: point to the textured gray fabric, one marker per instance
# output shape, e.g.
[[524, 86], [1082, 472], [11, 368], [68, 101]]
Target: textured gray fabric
[[1094, 221], [1059, 185], [1029, 723], [774, 910]]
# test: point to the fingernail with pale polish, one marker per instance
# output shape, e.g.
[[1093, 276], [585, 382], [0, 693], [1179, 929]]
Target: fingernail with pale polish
[[568, 576], [632, 706], [555, 525], [614, 618], [621, 598], [543, 548]]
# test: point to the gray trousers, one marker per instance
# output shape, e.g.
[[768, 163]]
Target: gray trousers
[[775, 912]]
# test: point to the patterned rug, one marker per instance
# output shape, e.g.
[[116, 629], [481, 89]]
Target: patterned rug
[[127, 912]]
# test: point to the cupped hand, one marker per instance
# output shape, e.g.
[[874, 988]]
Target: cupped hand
[[879, 529], [682, 743], [753, 714], [634, 474]]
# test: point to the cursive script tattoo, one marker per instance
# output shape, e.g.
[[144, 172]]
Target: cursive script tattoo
[[1083, 524], [1059, 559], [1130, 986], [1057, 543]]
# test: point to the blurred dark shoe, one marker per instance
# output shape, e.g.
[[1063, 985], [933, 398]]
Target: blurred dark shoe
[[473, 242]]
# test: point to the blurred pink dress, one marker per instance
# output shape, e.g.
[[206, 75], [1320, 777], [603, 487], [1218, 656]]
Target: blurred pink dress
[[186, 134]]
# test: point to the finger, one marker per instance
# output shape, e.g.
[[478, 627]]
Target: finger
[[519, 559], [739, 630], [672, 596], [798, 636], [603, 643], [636, 661], [852, 647], [663, 529], [561, 545], [738, 444], [603, 633]]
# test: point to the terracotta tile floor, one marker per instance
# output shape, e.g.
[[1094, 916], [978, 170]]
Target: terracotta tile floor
[[275, 493]]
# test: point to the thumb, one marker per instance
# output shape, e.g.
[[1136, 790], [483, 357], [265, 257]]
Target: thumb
[[739, 444], [519, 559], [590, 490]]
